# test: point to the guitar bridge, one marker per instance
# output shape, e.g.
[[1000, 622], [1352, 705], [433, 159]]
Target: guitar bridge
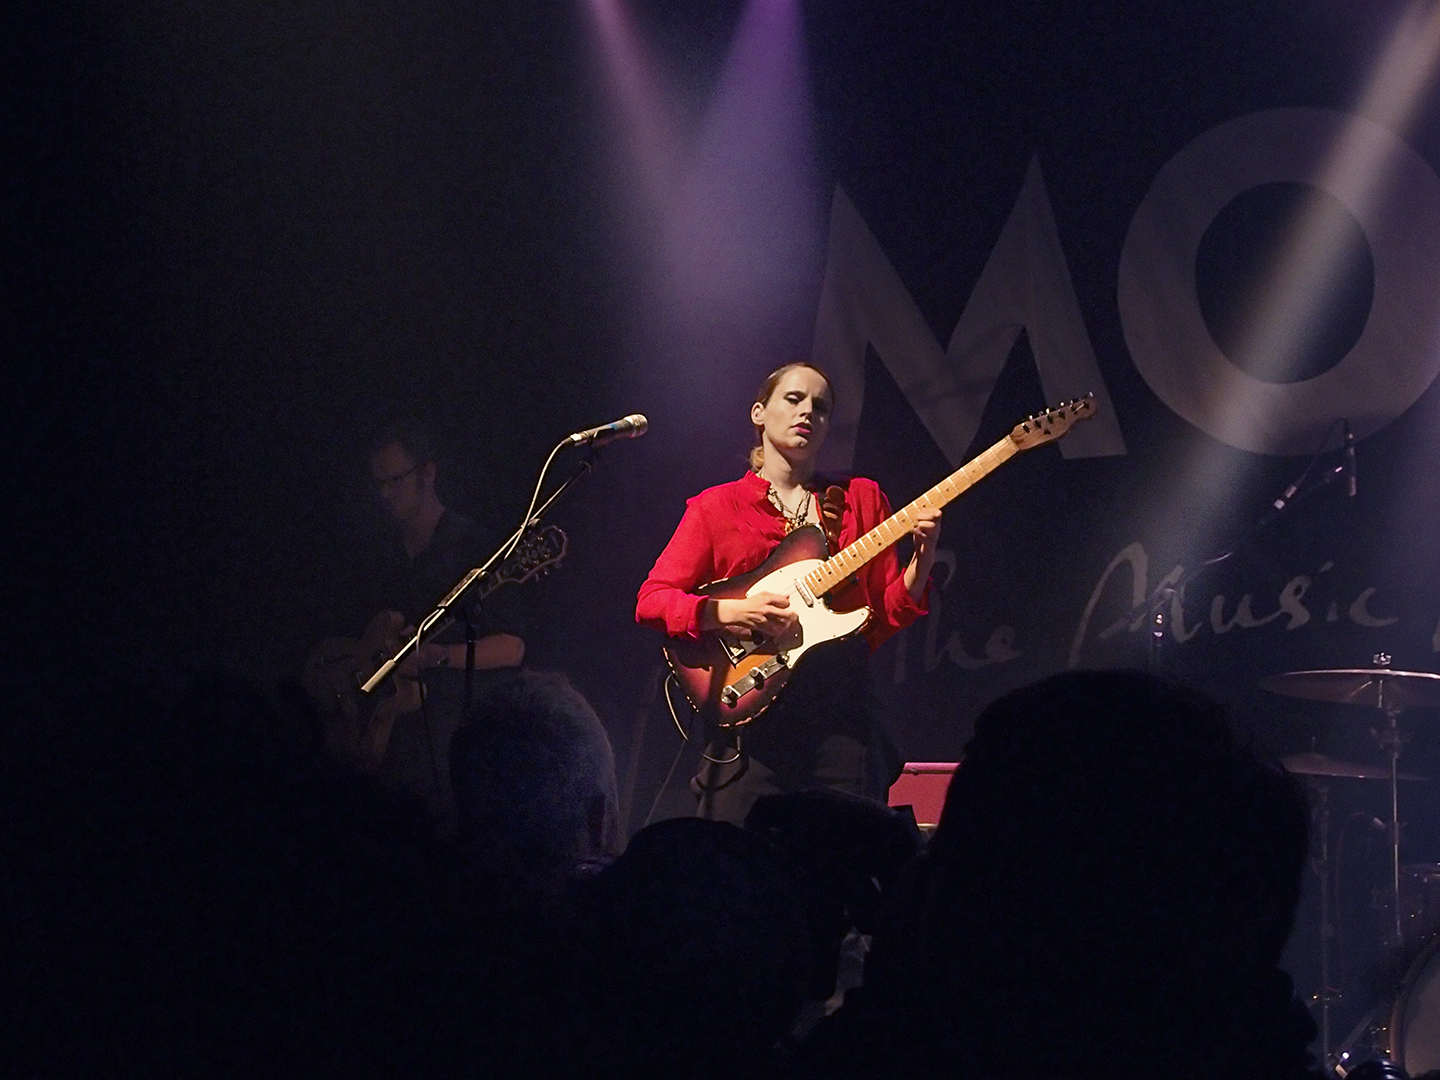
[[754, 680]]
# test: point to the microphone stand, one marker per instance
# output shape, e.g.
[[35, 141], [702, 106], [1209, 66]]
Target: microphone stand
[[443, 614], [1170, 591]]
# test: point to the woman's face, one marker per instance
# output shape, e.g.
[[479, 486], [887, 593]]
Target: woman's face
[[796, 418]]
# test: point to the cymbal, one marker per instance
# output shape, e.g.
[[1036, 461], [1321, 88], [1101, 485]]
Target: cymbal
[[1378, 688], [1313, 764]]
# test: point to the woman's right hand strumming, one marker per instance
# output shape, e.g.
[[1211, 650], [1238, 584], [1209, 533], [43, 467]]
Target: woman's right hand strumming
[[766, 613]]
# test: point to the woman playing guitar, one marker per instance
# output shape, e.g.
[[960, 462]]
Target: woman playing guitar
[[822, 730]]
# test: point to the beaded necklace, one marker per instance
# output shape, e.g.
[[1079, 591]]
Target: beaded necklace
[[793, 518]]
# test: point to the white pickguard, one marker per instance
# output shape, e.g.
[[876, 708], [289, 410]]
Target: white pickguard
[[817, 623]]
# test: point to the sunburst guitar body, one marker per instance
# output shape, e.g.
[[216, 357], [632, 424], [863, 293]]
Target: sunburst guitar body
[[731, 679]]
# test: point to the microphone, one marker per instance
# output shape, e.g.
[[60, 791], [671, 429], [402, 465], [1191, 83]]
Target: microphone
[[629, 427], [1350, 486]]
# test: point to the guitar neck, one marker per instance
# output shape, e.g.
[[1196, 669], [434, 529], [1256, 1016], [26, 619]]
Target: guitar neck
[[851, 559]]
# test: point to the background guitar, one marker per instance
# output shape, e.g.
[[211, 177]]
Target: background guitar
[[356, 725]]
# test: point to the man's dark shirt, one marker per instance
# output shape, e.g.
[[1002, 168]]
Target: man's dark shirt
[[418, 757]]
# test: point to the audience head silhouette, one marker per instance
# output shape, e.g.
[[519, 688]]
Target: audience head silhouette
[[534, 780], [700, 955], [1111, 884]]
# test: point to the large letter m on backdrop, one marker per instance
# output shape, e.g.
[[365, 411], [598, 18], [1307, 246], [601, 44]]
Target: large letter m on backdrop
[[1025, 286]]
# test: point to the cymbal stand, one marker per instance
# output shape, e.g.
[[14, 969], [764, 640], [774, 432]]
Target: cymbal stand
[[1392, 740], [1320, 865]]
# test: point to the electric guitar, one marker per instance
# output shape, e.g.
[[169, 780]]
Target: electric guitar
[[730, 680], [357, 726]]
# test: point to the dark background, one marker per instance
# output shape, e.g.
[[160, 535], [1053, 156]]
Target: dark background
[[240, 231]]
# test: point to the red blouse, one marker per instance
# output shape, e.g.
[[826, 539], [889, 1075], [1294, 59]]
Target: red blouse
[[730, 529]]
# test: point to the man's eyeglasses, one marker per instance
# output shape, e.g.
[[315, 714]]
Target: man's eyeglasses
[[380, 483]]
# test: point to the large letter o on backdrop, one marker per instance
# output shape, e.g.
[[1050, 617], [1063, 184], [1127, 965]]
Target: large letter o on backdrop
[[1397, 355]]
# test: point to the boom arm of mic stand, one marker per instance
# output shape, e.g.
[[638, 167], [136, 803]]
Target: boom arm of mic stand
[[1295, 493], [1174, 583], [587, 463], [441, 617]]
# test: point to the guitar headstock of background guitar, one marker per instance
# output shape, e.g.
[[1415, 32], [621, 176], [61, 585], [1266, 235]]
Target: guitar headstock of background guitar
[[539, 551], [1049, 425]]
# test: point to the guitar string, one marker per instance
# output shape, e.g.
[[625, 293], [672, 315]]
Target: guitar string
[[835, 569]]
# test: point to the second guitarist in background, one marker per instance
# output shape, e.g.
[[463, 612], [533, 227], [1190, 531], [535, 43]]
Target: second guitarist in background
[[823, 729], [434, 547]]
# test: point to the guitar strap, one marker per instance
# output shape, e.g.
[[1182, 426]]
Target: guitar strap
[[832, 517], [832, 514]]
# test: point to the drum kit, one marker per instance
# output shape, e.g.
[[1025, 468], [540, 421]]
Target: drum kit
[[1405, 1027]]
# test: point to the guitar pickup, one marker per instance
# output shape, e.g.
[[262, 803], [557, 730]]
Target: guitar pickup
[[732, 694], [736, 649]]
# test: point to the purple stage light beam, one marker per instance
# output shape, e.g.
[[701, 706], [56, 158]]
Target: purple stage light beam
[[725, 217], [744, 234], [648, 129]]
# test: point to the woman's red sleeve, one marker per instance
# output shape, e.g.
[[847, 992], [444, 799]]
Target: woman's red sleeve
[[666, 601], [890, 601]]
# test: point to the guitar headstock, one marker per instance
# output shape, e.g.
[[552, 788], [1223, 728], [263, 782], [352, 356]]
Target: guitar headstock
[[1049, 425], [539, 550]]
